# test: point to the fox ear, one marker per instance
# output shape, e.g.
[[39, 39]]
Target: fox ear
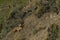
[[19, 30], [15, 30]]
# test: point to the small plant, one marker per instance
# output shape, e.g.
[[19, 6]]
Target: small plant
[[35, 31]]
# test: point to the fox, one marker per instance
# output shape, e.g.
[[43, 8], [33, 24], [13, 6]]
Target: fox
[[17, 29]]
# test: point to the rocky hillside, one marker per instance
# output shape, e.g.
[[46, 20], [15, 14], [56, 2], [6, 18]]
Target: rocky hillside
[[29, 19]]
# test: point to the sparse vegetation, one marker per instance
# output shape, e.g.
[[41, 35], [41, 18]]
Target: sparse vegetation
[[53, 32], [7, 8]]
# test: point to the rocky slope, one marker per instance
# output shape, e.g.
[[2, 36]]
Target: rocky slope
[[30, 20]]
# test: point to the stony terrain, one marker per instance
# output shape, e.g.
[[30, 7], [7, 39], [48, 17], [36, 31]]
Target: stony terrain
[[30, 20]]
